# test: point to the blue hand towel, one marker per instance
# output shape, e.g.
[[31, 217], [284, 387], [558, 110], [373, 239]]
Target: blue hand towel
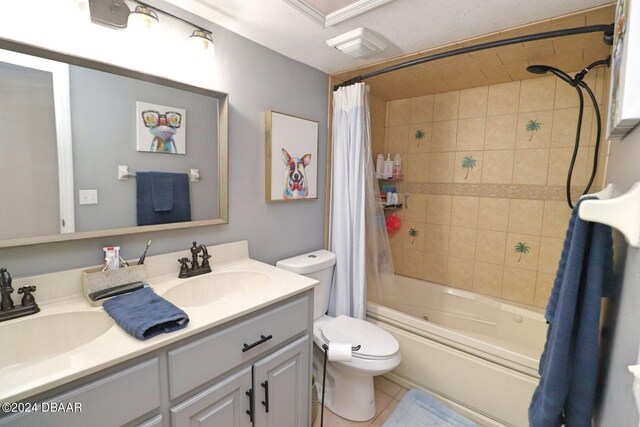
[[418, 409], [569, 362], [162, 191], [144, 314], [146, 213]]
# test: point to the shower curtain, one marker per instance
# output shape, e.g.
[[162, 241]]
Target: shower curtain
[[357, 231]]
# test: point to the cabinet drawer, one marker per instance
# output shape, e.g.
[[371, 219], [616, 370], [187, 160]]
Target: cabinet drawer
[[113, 400], [203, 360]]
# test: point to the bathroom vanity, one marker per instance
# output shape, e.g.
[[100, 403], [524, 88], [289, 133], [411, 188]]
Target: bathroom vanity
[[243, 360]]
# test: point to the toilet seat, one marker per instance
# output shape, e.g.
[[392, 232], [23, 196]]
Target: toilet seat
[[375, 343]]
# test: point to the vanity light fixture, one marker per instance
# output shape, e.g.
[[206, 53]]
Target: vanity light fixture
[[201, 39], [116, 14], [144, 17], [110, 13]]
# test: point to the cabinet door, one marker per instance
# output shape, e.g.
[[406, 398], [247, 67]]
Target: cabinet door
[[282, 383], [223, 404]]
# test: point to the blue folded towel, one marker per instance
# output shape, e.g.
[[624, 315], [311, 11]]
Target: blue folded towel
[[144, 314], [147, 200], [418, 409], [569, 362], [162, 191]]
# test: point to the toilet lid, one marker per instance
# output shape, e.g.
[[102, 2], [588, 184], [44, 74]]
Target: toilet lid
[[374, 342]]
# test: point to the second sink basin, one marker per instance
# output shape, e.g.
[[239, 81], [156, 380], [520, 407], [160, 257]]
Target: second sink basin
[[38, 338], [215, 287]]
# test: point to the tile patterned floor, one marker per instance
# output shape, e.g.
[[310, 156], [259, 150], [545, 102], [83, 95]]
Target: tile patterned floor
[[388, 395]]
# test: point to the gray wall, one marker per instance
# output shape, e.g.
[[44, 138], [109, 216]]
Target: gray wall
[[256, 79], [29, 170], [103, 111], [621, 333]]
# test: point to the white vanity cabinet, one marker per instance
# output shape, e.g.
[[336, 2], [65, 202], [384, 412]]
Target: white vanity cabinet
[[272, 392], [113, 399], [219, 377], [277, 385]]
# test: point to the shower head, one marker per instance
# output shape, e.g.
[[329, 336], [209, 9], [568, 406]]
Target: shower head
[[543, 69]]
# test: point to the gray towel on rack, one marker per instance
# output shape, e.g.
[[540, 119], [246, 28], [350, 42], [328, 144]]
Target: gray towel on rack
[[146, 213], [569, 362], [162, 191], [144, 314]]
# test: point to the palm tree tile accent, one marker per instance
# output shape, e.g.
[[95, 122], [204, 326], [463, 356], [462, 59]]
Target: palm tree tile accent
[[533, 126], [419, 135], [521, 248], [413, 233], [468, 163]]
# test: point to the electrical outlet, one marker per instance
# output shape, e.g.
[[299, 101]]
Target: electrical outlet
[[88, 197]]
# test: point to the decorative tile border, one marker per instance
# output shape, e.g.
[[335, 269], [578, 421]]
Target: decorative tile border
[[505, 191]]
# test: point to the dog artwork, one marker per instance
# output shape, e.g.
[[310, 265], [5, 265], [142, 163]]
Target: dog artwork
[[295, 181], [163, 127]]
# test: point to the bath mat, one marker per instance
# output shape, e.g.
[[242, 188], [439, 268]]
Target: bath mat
[[418, 409]]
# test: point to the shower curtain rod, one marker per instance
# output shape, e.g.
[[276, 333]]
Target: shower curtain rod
[[607, 37]]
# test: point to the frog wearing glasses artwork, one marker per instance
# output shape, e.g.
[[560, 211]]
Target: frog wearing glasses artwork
[[163, 127]]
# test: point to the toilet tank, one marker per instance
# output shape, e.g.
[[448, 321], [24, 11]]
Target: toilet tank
[[317, 265]]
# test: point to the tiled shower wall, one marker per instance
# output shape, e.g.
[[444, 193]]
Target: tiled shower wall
[[484, 170]]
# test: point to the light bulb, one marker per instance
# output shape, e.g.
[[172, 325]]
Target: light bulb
[[201, 39], [143, 17]]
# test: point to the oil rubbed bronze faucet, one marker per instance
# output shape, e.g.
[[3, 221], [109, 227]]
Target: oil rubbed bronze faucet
[[7, 309], [196, 268]]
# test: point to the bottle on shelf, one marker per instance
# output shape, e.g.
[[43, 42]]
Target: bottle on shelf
[[394, 198], [380, 165], [397, 166], [388, 167]]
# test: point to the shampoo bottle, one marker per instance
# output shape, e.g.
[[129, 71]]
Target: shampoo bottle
[[388, 167], [394, 196], [379, 165], [397, 166]]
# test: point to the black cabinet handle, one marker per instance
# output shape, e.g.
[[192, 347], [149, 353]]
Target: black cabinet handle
[[250, 410], [247, 347], [265, 402]]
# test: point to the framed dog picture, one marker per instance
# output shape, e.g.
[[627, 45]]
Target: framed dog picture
[[292, 158], [161, 129]]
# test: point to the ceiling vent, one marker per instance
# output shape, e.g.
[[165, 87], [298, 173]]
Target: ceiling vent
[[357, 43]]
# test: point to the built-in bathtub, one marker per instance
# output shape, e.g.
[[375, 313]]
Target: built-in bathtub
[[478, 354]]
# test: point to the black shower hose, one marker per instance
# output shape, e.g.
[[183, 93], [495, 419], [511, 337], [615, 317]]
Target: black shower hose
[[583, 85]]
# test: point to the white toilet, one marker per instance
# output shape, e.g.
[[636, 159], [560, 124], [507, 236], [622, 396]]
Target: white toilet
[[349, 385]]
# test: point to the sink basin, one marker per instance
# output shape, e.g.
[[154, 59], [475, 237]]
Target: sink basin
[[215, 288], [32, 339]]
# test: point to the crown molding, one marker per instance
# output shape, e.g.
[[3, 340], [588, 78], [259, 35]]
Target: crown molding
[[344, 14]]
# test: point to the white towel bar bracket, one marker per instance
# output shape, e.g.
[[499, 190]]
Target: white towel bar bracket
[[621, 213]]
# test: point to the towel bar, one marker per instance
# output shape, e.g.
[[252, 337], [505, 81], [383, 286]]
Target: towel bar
[[621, 213], [124, 174]]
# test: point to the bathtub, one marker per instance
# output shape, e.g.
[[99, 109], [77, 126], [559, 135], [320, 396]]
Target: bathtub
[[477, 354]]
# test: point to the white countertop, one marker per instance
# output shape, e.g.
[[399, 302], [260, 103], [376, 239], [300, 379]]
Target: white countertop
[[21, 381]]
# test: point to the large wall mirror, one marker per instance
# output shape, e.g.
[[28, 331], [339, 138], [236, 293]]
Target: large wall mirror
[[70, 123]]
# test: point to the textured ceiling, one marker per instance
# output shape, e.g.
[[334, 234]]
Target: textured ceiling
[[407, 26]]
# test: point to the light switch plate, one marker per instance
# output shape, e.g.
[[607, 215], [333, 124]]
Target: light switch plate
[[88, 197]]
